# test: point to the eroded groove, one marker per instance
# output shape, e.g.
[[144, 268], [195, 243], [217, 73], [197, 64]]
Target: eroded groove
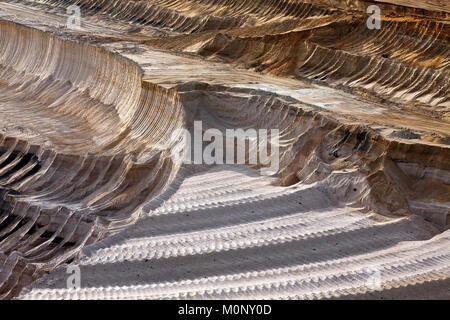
[[107, 136], [89, 123]]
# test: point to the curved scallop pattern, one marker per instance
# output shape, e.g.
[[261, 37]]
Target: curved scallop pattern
[[93, 137], [356, 58], [86, 169]]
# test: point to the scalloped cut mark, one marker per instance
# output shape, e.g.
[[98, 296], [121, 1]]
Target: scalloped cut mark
[[89, 121]]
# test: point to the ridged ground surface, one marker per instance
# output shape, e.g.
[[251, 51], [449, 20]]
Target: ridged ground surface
[[86, 131], [228, 234]]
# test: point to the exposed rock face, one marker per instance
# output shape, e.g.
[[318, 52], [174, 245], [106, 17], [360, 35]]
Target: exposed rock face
[[87, 137]]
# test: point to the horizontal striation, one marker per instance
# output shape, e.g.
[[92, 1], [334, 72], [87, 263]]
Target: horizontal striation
[[364, 167], [89, 120], [95, 149], [257, 250]]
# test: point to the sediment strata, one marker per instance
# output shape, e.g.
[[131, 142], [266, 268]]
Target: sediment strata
[[81, 154], [87, 123]]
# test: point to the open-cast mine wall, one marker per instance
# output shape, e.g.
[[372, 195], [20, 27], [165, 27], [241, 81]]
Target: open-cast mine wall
[[87, 132]]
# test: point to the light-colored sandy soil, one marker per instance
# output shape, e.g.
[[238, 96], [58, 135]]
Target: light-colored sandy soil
[[229, 234], [86, 138]]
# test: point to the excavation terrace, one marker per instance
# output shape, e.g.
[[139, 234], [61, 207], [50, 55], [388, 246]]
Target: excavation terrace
[[87, 178]]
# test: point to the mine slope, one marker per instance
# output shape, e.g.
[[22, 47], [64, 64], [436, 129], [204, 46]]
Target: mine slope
[[360, 207]]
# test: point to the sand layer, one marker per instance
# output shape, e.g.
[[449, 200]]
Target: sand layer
[[87, 122]]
